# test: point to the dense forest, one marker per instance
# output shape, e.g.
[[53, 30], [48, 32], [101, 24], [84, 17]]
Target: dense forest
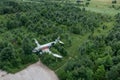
[[91, 50]]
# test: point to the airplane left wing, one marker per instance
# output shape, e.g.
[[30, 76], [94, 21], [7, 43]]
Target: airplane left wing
[[37, 42]]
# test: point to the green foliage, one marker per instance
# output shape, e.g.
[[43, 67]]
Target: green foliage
[[113, 74], [87, 3], [100, 51], [26, 46], [100, 73], [96, 56], [8, 58]]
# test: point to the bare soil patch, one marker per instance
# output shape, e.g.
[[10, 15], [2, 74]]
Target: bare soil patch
[[37, 71]]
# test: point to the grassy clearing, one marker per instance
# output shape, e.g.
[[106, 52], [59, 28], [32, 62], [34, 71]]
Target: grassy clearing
[[78, 40], [105, 1], [103, 11], [101, 31], [102, 6]]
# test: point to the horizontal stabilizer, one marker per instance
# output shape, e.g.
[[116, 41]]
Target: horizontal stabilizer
[[36, 42], [61, 42]]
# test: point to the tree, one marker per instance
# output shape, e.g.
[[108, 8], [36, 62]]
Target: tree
[[23, 19], [108, 50], [8, 53], [79, 1], [106, 61], [100, 73], [87, 3], [114, 1], [3, 44], [114, 72], [26, 46], [8, 58]]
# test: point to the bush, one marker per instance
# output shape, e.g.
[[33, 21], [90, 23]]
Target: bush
[[87, 3], [114, 1]]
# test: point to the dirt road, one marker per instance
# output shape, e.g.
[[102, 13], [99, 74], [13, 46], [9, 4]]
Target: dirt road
[[37, 71]]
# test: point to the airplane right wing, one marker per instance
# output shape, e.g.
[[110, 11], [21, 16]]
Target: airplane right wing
[[56, 55], [37, 42]]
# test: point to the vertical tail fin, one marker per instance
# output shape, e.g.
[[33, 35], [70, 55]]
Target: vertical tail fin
[[58, 40]]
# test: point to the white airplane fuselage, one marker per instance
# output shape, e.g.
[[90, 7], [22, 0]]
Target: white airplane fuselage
[[45, 47]]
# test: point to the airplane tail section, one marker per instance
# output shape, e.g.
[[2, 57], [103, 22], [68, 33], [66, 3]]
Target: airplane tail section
[[58, 40]]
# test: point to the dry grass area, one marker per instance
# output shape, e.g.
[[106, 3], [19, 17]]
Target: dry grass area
[[106, 1], [104, 7]]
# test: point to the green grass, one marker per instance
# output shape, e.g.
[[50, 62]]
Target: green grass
[[104, 32], [77, 40]]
